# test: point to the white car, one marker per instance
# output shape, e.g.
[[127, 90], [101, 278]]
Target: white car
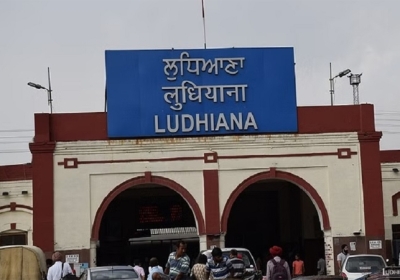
[[359, 266], [119, 272], [248, 259]]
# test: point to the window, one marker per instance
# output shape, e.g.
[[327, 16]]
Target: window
[[7, 239], [396, 231], [364, 264], [245, 258], [115, 274]]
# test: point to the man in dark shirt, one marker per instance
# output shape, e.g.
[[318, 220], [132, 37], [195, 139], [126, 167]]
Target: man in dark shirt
[[239, 267], [321, 265]]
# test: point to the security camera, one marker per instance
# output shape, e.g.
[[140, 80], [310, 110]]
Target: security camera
[[357, 232]]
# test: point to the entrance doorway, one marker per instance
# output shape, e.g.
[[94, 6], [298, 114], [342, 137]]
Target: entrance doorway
[[143, 222], [276, 212]]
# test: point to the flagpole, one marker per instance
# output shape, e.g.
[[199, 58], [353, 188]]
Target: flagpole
[[204, 24]]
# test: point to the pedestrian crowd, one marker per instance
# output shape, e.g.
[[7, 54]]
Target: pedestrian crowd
[[220, 267], [217, 267]]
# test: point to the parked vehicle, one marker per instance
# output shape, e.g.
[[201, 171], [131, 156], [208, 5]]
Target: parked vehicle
[[120, 272], [360, 266], [22, 262], [252, 273], [321, 277]]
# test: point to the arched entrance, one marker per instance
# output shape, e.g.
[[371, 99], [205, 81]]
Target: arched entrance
[[277, 208], [142, 218]]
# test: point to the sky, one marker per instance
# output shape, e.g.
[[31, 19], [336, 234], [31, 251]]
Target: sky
[[71, 37]]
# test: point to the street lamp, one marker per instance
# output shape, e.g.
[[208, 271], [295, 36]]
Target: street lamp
[[331, 80], [49, 91], [36, 86]]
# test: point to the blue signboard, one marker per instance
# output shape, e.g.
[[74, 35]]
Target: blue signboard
[[153, 93]]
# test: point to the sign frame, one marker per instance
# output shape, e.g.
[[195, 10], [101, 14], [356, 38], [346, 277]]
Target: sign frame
[[72, 258], [200, 92]]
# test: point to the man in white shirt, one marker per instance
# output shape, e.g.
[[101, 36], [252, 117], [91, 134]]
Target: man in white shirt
[[342, 256], [58, 270]]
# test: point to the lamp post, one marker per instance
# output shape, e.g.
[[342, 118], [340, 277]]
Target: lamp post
[[49, 91], [355, 80], [331, 80]]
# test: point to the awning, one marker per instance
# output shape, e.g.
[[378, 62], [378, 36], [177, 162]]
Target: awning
[[184, 233]]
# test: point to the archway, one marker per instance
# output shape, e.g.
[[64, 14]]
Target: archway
[[276, 208], [142, 217]]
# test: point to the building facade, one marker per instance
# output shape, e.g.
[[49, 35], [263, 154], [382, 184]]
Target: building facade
[[334, 160], [16, 212], [218, 154]]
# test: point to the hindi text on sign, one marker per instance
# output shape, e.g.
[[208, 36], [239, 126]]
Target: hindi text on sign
[[178, 95]]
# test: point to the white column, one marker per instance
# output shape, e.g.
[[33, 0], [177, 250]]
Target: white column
[[93, 255], [329, 255], [222, 241], [203, 242]]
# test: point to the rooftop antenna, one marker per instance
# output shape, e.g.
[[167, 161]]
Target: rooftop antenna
[[49, 90], [355, 80], [204, 24], [49, 98]]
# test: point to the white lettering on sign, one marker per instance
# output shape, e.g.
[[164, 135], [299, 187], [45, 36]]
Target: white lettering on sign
[[178, 95], [72, 258], [391, 271], [171, 69], [209, 122], [187, 91], [375, 244]]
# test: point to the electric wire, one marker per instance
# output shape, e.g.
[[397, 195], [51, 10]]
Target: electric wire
[[16, 137], [14, 142], [16, 130], [14, 151]]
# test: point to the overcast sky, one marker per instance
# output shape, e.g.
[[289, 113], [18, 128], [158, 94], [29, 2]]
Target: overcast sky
[[71, 36]]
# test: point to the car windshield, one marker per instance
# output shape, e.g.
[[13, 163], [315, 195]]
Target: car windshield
[[364, 264], [245, 257], [115, 274]]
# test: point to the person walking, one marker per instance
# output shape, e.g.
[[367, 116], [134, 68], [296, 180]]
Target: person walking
[[154, 268], [277, 267], [58, 269], [49, 263], [198, 271], [298, 266], [342, 256], [178, 264], [139, 269], [218, 266], [321, 265], [237, 263], [159, 267]]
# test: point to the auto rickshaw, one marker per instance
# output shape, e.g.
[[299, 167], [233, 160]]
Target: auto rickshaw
[[22, 262]]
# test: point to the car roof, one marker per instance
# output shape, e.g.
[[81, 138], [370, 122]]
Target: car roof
[[229, 249], [111, 267], [364, 255]]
